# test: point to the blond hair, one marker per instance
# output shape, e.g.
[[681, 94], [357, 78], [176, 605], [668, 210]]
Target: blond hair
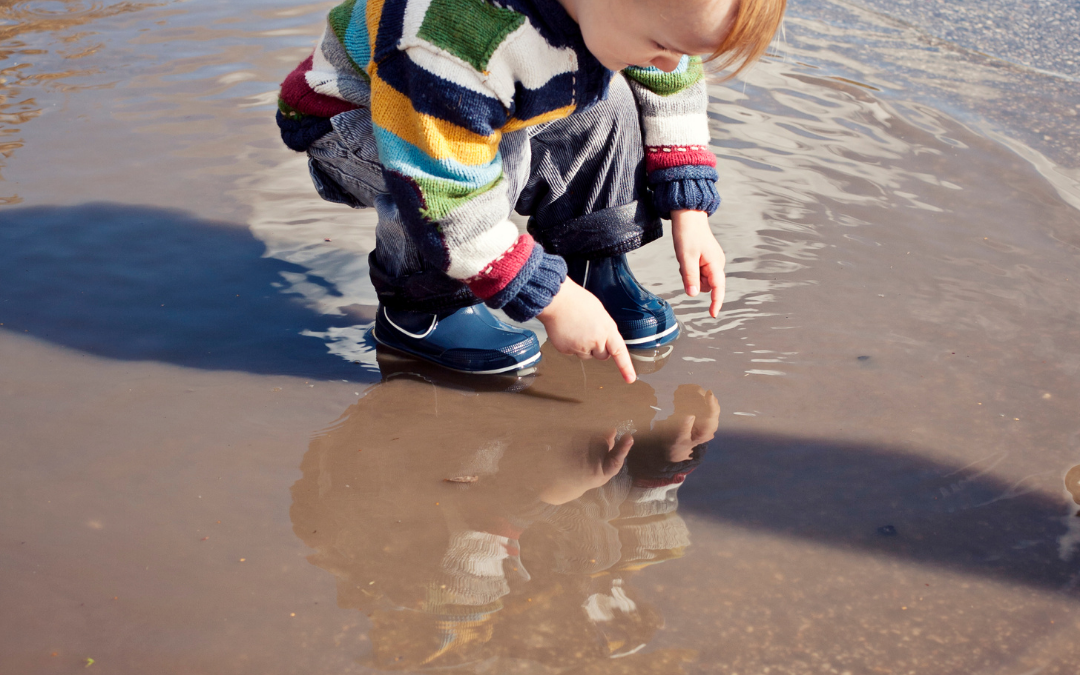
[[752, 30]]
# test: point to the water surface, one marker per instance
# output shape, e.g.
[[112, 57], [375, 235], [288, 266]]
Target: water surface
[[862, 466]]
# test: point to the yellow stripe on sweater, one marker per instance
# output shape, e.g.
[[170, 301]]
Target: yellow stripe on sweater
[[372, 14], [557, 114], [439, 139]]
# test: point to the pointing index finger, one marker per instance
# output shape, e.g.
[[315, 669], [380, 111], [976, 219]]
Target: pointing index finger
[[617, 350], [719, 286]]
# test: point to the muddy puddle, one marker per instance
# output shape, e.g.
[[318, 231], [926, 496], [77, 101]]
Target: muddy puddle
[[867, 464]]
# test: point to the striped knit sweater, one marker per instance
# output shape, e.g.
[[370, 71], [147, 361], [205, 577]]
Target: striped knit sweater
[[444, 80]]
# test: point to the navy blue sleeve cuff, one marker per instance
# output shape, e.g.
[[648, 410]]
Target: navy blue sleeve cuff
[[685, 187], [533, 288], [300, 134]]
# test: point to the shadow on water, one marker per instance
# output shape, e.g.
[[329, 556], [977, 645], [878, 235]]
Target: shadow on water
[[512, 523], [888, 502], [142, 283]]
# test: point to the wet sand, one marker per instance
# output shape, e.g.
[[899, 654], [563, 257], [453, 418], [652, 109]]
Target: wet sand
[[208, 468]]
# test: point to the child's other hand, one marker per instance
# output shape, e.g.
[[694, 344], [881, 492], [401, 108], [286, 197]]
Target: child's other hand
[[701, 260], [578, 324]]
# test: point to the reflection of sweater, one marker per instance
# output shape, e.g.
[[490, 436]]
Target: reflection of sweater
[[623, 524], [444, 80]]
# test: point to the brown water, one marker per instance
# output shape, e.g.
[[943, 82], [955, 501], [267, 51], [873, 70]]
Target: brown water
[[206, 471]]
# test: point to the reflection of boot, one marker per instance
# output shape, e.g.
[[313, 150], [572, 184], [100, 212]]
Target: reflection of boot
[[645, 321], [648, 361], [625, 622], [470, 340], [393, 365], [404, 639]]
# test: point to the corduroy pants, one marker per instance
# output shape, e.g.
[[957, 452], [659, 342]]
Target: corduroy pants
[[580, 180]]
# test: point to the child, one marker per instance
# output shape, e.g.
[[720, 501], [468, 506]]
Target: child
[[446, 115]]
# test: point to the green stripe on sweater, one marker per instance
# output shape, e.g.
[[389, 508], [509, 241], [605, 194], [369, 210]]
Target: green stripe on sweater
[[469, 29], [339, 19], [443, 196], [666, 84]]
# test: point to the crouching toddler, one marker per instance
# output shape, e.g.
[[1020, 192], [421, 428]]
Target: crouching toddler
[[586, 116]]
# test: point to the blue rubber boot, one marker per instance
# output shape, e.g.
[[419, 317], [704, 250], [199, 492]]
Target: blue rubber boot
[[469, 340], [644, 320]]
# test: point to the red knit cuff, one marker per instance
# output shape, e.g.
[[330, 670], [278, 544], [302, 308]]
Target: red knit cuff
[[502, 270], [668, 156], [299, 96]]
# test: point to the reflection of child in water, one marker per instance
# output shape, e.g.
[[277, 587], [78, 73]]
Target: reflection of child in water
[[532, 559]]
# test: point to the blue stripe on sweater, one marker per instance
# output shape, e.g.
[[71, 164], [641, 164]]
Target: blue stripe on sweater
[[554, 94], [357, 44], [551, 20], [391, 24], [441, 98], [399, 155], [684, 64]]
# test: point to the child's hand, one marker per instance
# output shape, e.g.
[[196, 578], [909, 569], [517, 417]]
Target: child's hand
[[578, 324], [701, 259]]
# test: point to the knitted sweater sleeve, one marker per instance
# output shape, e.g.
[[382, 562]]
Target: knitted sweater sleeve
[[680, 166], [438, 123]]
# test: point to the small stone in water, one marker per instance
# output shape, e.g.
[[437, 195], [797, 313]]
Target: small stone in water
[[462, 479]]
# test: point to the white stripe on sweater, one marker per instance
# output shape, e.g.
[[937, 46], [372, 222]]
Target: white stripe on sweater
[[442, 63], [323, 75], [693, 99], [323, 83], [676, 130], [523, 56], [415, 10], [476, 254], [526, 57]]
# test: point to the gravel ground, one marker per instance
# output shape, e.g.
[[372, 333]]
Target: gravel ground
[[961, 58], [1043, 34]]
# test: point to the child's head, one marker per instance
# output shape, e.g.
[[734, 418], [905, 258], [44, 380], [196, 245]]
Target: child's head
[[658, 33]]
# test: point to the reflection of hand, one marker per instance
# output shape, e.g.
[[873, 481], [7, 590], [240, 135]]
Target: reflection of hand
[[695, 420], [585, 471]]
